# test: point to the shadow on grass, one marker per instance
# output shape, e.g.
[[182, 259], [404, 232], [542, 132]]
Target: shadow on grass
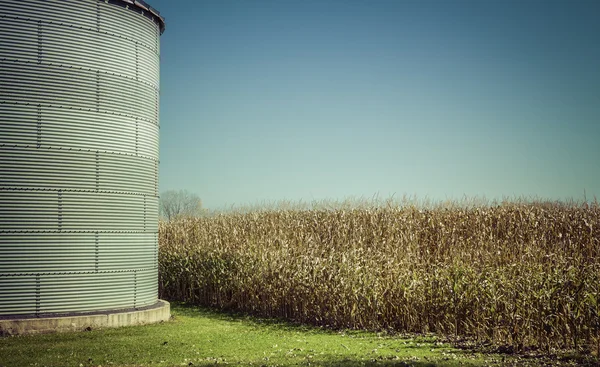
[[385, 364], [406, 363], [189, 310], [486, 357], [350, 363], [192, 311]]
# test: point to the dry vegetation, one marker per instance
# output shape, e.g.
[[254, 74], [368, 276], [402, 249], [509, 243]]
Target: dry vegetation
[[518, 274]]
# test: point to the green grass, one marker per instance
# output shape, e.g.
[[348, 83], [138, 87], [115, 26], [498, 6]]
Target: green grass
[[200, 337]]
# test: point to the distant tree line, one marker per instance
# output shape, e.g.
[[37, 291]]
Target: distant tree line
[[174, 204]]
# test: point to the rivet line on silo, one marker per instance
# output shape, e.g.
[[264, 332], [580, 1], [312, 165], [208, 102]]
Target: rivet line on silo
[[98, 17], [96, 253], [136, 62], [145, 119], [119, 192], [37, 295], [136, 135], [134, 288]]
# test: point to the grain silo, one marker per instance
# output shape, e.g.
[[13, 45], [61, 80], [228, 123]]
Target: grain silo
[[79, 97]]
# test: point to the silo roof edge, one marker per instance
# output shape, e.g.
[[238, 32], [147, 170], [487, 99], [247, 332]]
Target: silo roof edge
[[146, 7]]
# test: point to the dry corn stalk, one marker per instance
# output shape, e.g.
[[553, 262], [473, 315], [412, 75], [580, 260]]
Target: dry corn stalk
[[516, 273]]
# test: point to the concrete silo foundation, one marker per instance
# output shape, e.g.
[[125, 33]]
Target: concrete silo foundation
[[158, 312], [79, 122]]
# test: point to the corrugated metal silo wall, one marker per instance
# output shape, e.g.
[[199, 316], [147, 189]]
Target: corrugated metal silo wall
[[79, 87]]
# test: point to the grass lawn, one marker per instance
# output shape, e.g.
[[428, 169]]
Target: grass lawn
[[200, 337]]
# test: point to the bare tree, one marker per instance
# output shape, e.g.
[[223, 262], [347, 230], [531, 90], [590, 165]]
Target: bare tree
[[175, 204]]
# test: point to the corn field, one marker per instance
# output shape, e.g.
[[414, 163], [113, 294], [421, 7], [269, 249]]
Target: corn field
[[523, 274]]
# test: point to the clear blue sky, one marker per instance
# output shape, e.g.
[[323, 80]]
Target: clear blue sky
[[287, 100]]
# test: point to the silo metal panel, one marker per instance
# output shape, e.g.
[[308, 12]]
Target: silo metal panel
[[84, 292], [117, 94], [151, 210], [146, 281], [149, 61], [147, 99], [102, 212], [95, 51], [147, 139], [18, 124], [75, 13], [18, 295], [47, 253], [127, 251], [48, 85], [22, 210], [19, 40], [88, 130], [78, 156], [126, 173], [72, 252], [126, 24], [128, 97], [47, 169]]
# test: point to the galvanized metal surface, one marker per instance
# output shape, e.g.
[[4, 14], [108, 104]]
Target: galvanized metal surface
[[79, 89]]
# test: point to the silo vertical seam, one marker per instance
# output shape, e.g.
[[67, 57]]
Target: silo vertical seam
[[37, 294], [136, 62], [136, 135], [98, 16], [134, 288], [96, 252]]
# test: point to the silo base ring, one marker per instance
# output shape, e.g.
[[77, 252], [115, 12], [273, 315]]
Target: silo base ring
[[30, 324]]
